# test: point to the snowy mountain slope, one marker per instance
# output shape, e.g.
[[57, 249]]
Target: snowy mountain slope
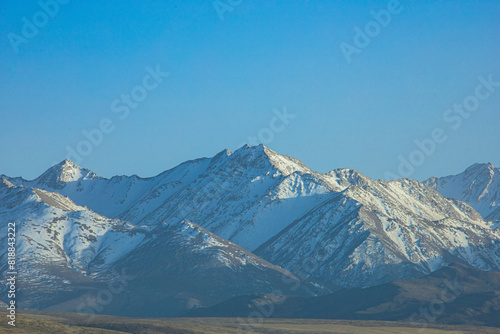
[[65, 253], [376, 232], [183, 266], [262, 192], [356, 231], [110, 197], [53, 226], [57, 242], [478, 185], [246, 197], [495, 216]]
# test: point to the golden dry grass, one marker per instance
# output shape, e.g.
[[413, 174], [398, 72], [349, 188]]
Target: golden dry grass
[[29, 322]]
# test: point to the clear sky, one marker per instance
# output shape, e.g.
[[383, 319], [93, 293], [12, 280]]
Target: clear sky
[[232, 65]]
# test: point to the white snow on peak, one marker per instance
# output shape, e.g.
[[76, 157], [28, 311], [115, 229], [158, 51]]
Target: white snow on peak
[[478, 185], [68, 171]]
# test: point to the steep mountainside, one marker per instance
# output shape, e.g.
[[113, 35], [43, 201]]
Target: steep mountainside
[[59, 245], [380, 231], [478, 185], [67, 255], [341, 227]]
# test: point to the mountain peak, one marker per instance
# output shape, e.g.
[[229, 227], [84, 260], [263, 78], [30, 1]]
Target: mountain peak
[[252, 148], [488, 166], [478, 185], [66, 171], [67, 163], [267, 157], [345, 177]]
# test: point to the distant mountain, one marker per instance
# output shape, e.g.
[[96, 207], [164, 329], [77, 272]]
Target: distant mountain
[[456, 294], [478, 185], [329, 229]]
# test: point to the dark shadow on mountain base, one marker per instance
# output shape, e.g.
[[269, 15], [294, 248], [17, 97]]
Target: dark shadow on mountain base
[[167, 286], [457, 294]]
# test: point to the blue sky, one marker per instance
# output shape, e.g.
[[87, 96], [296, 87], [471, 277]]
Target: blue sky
[[227, 77]]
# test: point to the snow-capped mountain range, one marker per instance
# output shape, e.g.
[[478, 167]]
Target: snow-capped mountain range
[[251, 221]]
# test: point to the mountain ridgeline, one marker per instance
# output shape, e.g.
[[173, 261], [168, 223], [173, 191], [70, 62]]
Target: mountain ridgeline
[[240, 223]]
